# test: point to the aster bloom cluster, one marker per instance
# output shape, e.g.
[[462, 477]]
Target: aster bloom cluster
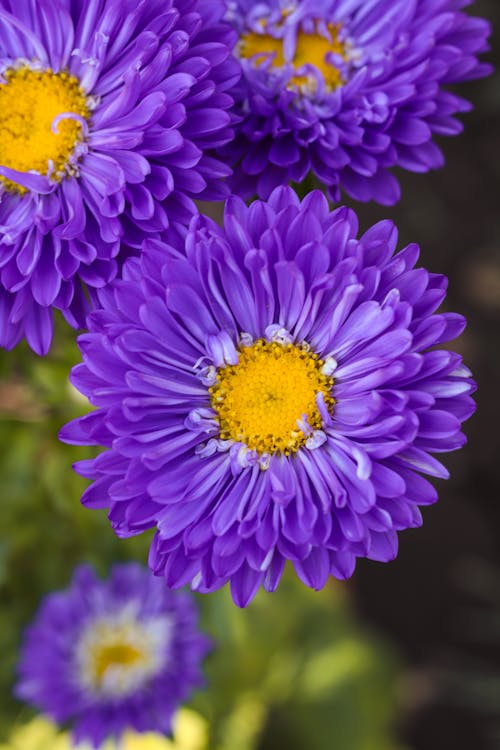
[[108, 656], [108, 112], [348, 89], [269, 391], [265, 391]]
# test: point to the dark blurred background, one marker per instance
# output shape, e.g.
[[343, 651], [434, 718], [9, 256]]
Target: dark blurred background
[[440, 600]]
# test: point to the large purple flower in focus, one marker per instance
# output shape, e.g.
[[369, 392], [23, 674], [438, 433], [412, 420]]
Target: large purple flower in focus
[[348, 89], [267, 392], [107, 656], [109, 112]]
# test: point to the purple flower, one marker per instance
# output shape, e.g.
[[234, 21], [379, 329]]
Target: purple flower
[[107, 656], [348, 89], [109, 110], [267, 392]]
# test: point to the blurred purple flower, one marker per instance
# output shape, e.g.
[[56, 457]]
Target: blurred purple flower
[[107, 656], [109, 110], [266, 393], [348, 89]]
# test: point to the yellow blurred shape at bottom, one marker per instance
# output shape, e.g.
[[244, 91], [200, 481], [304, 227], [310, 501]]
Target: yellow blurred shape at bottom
[[190, 733]]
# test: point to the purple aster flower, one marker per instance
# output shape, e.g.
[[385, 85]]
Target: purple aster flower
[[267, 392], [109, 110], [107, 656], [348, 89]]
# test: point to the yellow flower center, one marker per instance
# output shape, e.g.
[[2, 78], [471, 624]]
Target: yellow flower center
[[30, 101], [310, 48], [262, 400], [112, 656], [116, 656]]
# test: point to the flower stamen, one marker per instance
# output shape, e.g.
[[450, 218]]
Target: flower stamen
[[324, 53], [42, 116], [116, 657], [268, 400]]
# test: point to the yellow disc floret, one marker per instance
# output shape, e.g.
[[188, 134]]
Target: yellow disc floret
[[31, 139], [261, 46], [114, 655], [268, 401], [312, 49]]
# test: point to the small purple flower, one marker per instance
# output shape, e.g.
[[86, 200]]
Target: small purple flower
[[107, 656], [109, 112], [348, 89], [267, 392]]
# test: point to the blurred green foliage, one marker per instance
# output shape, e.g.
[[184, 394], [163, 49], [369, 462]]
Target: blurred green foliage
[[294, 670]]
